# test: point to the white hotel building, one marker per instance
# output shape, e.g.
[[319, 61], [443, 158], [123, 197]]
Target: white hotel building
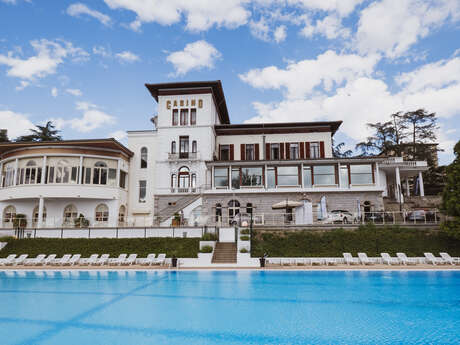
[[193, 163]]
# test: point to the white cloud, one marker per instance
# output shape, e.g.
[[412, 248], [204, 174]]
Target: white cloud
[[199, 15], [341, 7], [392, 27], [17, 124], [330, 27], [74, 92], [49, 55], [280, 34], [118, 135], [54, 92], [196, 55], [77, 9], [102, 51], [301, 78], [22, 85], [127, 56], [260, 29]]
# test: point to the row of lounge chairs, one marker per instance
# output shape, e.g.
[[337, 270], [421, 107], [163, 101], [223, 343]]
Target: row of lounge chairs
[[76, 259]]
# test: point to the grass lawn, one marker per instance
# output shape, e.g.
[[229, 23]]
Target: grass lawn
[[181, 247], [368, 239]]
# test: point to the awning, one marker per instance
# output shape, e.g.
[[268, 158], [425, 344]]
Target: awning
[[287, 204]]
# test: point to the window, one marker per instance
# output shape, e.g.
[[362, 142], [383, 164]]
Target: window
[[271, 178], [344, 176], [100, 173], [175, 117], [324, 174], [70, 213], [62, 172], [221, 177], [9, 176], [184, 177], [173, 180], [121, 215], [143, 158], [218, 213], [249, 208], [87, 175], [183, 147], [225, 152], [250, 156], [142, 190], [193, 181], [173, 147], [361, 174], [184, 117], [9, 213], [123, 179], [307, 177], [74, 174], [233, 208], [314, 150], [275, 151], [236, 178], [194, 146], [35, 218], [251, 176], [294, 150], [193, 117], [288, 176], [102, 213]]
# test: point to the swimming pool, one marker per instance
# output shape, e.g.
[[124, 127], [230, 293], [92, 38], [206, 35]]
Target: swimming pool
[[230, 307]]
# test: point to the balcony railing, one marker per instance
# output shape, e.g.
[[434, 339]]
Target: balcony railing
[[182, 155]]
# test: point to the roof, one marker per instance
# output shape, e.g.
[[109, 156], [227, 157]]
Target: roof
[[109, 143], [190, 86], [282, 127]]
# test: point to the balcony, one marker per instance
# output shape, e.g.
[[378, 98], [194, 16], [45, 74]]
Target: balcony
[[183, 156]]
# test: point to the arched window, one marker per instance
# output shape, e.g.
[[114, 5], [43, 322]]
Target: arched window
[[31, 174], [218, 213], [70, 213], [31, 164], [233, 208], [173, 147], [35, 219], [249, 208], [367, 207], [143, 158], [102, 213], [184, 177], [62, 171], [173, 181], [100, 173], [194, 146], [121, 215], [9, 213], [193, 181]]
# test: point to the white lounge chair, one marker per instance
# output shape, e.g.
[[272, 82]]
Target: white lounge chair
[[102, 260], [89, 261], [450, 259], [364, 259], [20, 260], [118, 261], [131, 259], [73, 260], [316, 261], [49, 260], [8, 260], [62, 261], [160, 260], [387, 259], [350, 260], [405, 260], [148, 260], [431, 259], [331, 261], [35, 261]]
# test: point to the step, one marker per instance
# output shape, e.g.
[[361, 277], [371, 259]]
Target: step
[[225, 253]]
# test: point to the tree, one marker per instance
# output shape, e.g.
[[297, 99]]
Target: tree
[[380, 142], [42, 133], [4, 136], [451, 196], [337, 150], [421, 127]]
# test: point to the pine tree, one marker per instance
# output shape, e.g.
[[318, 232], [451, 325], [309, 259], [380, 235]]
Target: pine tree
[[42, 133], [451, 196], [4, 136]]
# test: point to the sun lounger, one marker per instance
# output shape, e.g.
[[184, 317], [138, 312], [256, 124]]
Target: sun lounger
[[62, 261], [387, 259], [449, 259], [148, 260], [316, 261], [102, 260], [8, 260], [118, 261], [131, 259], [49, 260], [73, 260], [431, 259], [160, 260], [405, 260], [331, 261], [20, 260], [350, 260], [89, 261], [35, 261], [364, 259]]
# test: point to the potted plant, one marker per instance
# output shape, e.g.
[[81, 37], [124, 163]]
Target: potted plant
[[81, 221], [176, 219], [262, 260], [174, 259]]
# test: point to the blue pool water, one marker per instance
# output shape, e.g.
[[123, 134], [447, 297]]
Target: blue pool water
[[230, 307]]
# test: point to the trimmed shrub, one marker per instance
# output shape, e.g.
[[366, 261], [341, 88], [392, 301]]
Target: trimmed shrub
[[244, 232], [244, 238], [209, 237], [206, 249], [243, 250]]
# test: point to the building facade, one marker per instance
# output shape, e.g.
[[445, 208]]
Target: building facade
[[196, 166]]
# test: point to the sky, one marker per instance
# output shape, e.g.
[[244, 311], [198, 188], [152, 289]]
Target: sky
[[83, 64]]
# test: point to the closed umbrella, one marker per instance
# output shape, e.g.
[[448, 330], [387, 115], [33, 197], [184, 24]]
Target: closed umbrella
[[287, 204]]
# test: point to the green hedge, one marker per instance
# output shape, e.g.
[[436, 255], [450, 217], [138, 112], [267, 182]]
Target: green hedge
[[181, 247], [368, 239]]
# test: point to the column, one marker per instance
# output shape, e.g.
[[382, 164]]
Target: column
[[399, 195], [80, 177], [420, 182], [16, 162], [41, 205], [43, 171], [407, 187], [266, 174], [1, 175], [339, 172], [230, 177], [118, 172], [377, 175]]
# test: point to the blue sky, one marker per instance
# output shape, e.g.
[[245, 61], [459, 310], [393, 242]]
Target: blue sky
[[84, 64]]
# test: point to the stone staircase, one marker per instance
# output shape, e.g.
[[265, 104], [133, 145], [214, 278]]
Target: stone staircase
[[224, 253], [180, 204]]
